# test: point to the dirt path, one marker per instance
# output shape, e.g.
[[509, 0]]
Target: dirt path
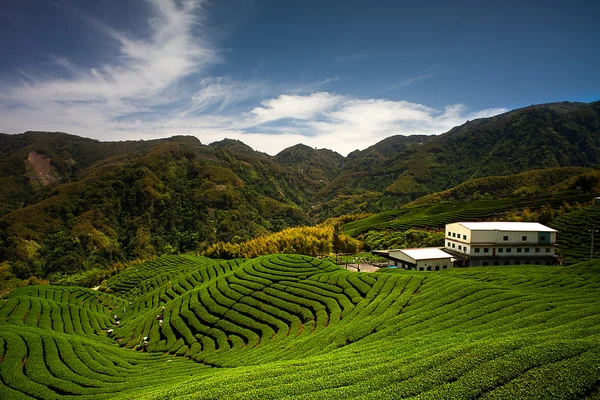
[[361, 267]]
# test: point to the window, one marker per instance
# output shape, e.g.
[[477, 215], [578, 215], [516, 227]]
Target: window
[[453, 234], [453, 245], [477, 249], [466, 248], [537, 249], [500, 250], [526, 249], [508, 249], [486, 250], [506, 262], [459, 247], [547, 249], [524, 238], [464, 237], [519, 249], [449, 233], [542, 238], [505, 238]]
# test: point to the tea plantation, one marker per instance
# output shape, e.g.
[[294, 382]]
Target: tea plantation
[[291, 326]]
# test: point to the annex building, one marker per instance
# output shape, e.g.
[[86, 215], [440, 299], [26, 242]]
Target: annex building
[[422, 259], [501, 243]]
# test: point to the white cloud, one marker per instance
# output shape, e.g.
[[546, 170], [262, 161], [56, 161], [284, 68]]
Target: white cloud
[[294, 106], [143, 70], [159, 87]]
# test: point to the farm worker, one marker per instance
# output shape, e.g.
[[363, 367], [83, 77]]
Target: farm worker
[[145, 338], [109, 331], [163, 309], [160, 321], [117, 323], [115, 316]]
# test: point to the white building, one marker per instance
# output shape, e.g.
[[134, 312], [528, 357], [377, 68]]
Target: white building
[[501, 243], [424, 259]]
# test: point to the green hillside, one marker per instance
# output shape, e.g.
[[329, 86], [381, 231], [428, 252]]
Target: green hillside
[[70, 204], [290, 326], [161, 197], [401, 169], [437, 215]]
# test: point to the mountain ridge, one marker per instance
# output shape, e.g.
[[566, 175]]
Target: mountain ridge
[[113, 201]]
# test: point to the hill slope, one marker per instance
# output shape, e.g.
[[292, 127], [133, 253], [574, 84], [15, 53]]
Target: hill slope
[[69, 204], [163, 197], [294, 326], [400, 169]]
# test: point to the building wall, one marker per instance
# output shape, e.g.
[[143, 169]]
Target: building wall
[[434, 265], [494, 243], [402, 260], [493, 261]]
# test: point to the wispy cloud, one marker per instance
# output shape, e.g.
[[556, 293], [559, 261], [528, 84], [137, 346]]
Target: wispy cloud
[[136, 79], [160, 86], [425, 74]]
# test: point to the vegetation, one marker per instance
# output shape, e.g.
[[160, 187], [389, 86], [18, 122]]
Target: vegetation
[[76, 206], [314, 241], [437, 215], [298, 327]]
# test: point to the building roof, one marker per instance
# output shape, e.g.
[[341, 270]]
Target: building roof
[[426, 253], [506, 226]]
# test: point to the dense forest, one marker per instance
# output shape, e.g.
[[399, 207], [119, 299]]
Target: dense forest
[[70, 204]]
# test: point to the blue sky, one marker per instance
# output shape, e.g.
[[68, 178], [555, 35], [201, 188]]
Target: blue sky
[[331, 74]]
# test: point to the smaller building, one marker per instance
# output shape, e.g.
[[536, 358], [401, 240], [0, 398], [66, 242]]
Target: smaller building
[[424, 259]]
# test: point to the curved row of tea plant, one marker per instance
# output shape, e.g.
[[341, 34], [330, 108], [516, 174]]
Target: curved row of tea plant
[[291, 326], [437, 215]]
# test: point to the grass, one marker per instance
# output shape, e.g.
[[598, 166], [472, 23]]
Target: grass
[[292, 326]]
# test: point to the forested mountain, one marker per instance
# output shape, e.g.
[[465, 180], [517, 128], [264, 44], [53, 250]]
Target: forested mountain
[[536, 137], [68, 203]]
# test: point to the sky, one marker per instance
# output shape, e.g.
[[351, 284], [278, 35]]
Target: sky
[[341, 75]]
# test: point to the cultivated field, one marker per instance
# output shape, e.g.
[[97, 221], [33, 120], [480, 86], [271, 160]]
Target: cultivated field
[[291, 326]]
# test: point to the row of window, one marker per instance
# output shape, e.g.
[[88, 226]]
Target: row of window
[[505, 238], [453, 245], [524, 238], [517, 262], [499, 249], [457, 235], [509, 250]]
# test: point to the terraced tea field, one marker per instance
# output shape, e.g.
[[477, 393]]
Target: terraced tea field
[[291, 326], [437, 215]]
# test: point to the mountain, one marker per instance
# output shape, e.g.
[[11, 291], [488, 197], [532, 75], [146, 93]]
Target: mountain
[[401, 169], [139, 200], [69, 203], [321, 165]]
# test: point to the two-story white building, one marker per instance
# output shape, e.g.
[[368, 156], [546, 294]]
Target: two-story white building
[[501, 243]]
